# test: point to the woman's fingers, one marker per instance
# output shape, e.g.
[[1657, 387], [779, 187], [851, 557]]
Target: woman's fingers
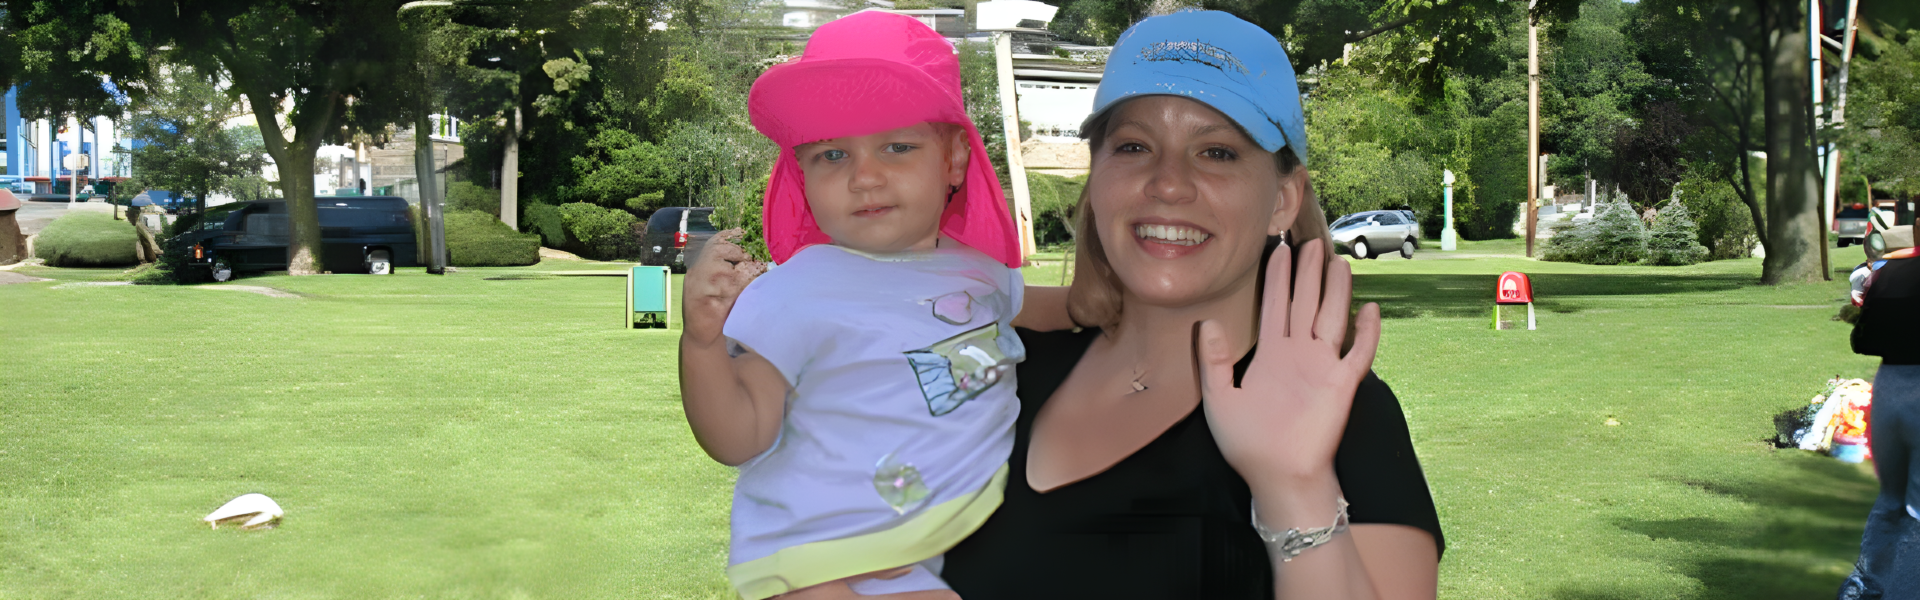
[[1306, 289], [1366, 340], [1331, 325], [1274, 299], [1215, 359]]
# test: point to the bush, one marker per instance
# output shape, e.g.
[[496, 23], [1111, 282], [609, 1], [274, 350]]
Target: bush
[[603, 233], [87, 239], [176, 256], [1675, 240], [739, 207], [463, 196], [1615, 236], [477, 239], [545, 220], [1054, 198]]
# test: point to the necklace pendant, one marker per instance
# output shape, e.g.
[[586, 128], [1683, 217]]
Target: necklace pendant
[[1138, 387]]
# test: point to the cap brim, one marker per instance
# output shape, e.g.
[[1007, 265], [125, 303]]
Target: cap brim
[[1242, 112]]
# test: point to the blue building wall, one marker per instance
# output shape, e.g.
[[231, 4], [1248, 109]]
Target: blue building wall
[[16, 137]]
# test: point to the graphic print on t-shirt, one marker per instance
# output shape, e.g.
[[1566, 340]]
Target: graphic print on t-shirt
[[959, 368]]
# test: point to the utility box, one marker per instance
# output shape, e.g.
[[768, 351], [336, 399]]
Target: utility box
[[649, 297]]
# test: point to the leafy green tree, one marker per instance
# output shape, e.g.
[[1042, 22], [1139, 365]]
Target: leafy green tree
[[331, 68], [58, 53], [187, 148], [1883, 112]]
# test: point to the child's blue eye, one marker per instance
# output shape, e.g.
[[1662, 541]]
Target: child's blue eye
[[833, 155], [899, 148]]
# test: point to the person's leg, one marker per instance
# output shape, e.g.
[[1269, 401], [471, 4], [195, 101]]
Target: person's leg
[[1896, 399]]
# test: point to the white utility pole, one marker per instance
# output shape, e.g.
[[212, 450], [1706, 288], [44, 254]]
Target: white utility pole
[[1446, 231], [1840, 112], [1016, 168]]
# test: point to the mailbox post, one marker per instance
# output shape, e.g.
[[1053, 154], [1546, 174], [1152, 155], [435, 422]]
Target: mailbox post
[[1513, 288]]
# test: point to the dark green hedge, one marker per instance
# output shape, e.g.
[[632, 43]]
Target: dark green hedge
[[87, 239], [477, 239]]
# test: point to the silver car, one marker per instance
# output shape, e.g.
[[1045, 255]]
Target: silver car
[[1373, 233]]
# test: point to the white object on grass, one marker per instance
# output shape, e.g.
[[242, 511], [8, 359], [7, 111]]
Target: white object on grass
[[264, 512]]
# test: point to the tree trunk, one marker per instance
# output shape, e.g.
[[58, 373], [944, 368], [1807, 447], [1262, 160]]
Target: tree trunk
[[430, 208], [1793, 184], [510, 174], [303, 216]]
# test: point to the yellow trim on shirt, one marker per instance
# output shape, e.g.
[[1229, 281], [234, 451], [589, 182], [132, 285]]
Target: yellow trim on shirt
[[922, 537]]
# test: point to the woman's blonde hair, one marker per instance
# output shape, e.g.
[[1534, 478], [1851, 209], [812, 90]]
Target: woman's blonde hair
[[1095, 298]]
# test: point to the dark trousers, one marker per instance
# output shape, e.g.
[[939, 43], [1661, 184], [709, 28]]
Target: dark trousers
[[1889, 567]]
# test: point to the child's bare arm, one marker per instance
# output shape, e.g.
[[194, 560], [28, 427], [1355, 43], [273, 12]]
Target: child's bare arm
[[733, 404], [1045, 309]]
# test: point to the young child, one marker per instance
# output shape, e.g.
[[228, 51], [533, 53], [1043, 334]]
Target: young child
[[864, 387]]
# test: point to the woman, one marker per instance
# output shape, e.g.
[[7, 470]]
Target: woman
[[1137, 460]]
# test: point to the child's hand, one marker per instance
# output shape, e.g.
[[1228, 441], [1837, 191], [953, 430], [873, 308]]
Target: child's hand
[[713, 282]]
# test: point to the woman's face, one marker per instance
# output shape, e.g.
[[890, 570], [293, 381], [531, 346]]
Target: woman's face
[[1184, 201]]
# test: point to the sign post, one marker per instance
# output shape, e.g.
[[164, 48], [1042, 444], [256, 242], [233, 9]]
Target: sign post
[[1514, 288], [1446, 231]]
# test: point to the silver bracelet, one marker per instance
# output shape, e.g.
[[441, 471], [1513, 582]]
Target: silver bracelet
[[1294, 541]]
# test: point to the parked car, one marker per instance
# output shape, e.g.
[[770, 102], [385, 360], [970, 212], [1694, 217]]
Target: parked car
[[1889, 230], [370, 234], [1369, 234], [1852, 224], [163, 199], [675, 235]]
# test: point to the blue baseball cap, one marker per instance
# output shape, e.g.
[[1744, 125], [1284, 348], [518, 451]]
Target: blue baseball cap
[[1231, 65]]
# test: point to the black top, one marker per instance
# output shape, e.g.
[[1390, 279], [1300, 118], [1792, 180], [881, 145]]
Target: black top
[[1171, 520], [1890, 314]]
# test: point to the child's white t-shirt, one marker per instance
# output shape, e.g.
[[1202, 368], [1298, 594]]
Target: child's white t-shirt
[[901, 367]]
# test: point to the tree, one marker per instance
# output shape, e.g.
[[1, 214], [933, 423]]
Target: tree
[[1883, 112], [58, 54], [332, 68], [187, 148]]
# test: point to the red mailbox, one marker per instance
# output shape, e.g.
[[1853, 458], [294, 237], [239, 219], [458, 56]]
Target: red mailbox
[[1514, 289]]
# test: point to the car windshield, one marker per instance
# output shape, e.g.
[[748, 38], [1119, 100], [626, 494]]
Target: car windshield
[[1350, 220], [699, 220], [1852, 211]]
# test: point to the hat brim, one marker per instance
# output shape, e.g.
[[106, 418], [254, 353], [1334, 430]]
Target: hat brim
[[808, 101]]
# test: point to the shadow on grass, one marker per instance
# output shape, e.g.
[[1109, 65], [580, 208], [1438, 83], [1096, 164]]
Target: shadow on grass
[[1408, 296], [1796, 537]]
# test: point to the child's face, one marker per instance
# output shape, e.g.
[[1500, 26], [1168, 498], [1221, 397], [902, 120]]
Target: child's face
[[884, 192]]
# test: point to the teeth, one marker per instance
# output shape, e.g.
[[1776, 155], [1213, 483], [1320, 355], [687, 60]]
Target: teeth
[[1173, 234]]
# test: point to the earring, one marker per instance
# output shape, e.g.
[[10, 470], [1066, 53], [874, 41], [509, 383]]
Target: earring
[[951, 190]]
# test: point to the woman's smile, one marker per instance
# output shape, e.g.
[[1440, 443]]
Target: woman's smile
[[1169, 240]]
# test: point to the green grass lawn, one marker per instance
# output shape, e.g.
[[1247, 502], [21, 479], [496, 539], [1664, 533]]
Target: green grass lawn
[[493, 433]]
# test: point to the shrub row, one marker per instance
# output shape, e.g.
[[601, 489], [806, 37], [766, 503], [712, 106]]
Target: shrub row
[[1617, 236], [478, 239]]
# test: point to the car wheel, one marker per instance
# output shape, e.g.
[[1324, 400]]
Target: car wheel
[[1876, 245], [1406, 248], [1844, 242], [379, 263], [222, 272], [1360, 249]]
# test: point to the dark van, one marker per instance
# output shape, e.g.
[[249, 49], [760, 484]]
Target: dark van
[[370, 234], [675, 235]]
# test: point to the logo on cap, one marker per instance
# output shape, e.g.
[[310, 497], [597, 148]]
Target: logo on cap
[[1200, 52]]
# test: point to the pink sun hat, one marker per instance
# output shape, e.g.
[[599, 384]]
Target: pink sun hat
[[866, 73]]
